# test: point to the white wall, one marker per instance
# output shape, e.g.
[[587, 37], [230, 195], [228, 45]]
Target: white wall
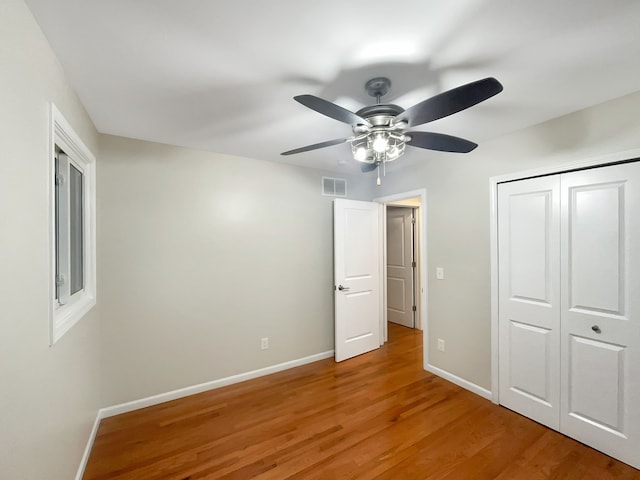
[[49, 396], [202, 255], [458, 219]]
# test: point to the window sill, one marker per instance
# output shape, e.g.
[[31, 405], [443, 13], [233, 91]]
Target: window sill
[[66, 316]]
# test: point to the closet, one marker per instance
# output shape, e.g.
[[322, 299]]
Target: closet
[[569, 304]]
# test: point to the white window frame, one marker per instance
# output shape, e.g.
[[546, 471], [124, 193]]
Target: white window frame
[[64, 316]]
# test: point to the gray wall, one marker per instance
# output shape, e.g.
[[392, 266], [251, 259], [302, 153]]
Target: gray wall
[[49, 396], [458, 219], [202, 255]]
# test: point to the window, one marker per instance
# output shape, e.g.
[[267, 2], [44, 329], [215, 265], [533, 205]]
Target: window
[[72, 209], [69, 181]]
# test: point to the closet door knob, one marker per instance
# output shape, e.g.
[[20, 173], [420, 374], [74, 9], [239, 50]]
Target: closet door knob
[[596, 329]]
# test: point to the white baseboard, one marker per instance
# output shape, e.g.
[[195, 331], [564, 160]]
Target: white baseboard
[[184, 392], [461, 382], [203, 387], [87, 449]]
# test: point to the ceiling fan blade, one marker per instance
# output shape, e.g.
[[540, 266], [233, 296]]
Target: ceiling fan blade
[[315, 146], [331, 110], [450, 102], [368, 167], [440, 142]]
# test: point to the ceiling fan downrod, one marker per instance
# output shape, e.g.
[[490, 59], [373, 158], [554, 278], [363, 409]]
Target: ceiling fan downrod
[[378, 87]]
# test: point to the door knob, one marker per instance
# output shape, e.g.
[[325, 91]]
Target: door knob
[[596, 329], [342, 289]]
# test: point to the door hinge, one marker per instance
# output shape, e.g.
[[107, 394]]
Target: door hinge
[[413, 264], [414, 308]]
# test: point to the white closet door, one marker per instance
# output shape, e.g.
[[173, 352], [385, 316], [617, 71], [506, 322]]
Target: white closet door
[[529, 298], [600, 332]]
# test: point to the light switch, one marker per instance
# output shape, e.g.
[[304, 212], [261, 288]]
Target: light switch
[[440, 273]]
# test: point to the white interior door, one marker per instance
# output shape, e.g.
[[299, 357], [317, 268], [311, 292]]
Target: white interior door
[[357, 277], [601, 309], [400, 266], [529, 298]]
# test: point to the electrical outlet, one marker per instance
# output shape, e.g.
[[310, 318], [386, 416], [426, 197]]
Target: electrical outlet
[[441, 345], [264, 343]]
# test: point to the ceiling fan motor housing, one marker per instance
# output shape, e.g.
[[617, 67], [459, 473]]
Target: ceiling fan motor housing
[[380, 115]]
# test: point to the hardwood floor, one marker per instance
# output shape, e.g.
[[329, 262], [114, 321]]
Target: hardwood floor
[[377, 416]]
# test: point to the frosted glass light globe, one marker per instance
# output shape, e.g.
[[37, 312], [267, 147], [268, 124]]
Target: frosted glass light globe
[[380, 144]]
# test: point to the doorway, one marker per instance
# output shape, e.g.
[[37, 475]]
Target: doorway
[[401, 265], [413, 200]]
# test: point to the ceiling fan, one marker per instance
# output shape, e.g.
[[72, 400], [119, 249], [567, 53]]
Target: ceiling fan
[[380, 131]]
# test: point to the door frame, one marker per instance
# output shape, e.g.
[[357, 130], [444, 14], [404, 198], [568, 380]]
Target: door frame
[[422, 319], [592, 162]]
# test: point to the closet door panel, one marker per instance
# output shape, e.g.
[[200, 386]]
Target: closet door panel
[[529, 303], [600, 333], [600, 366], [595, 241], [530, 361]]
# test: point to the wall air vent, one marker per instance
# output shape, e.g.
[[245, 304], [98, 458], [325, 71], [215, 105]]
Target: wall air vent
[[334, 187]]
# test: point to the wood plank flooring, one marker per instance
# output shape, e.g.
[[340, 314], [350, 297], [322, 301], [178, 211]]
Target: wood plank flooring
[[377, 416]]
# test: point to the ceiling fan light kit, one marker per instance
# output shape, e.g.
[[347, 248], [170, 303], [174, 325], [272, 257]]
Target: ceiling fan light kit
[[380, 131]]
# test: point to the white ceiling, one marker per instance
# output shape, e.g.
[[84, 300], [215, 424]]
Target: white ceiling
[[220, 75]]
